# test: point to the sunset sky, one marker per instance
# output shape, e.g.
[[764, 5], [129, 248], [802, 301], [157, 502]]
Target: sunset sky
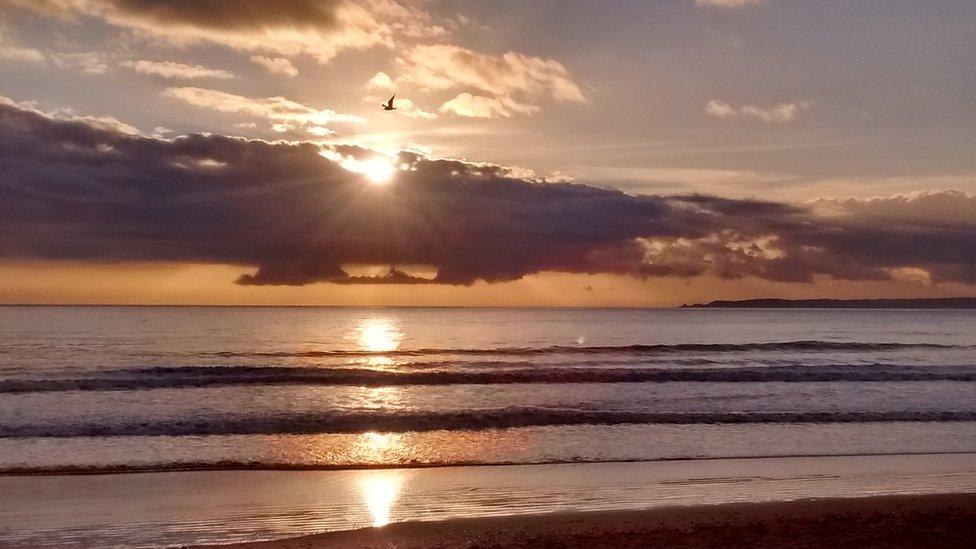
[[542, 153]]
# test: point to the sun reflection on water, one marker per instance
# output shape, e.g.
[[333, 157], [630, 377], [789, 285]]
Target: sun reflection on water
[[376, 443], [380, 490], [379, 335]]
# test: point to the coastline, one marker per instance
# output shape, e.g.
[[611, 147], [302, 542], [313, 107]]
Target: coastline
[[933, 520], [199, 508]]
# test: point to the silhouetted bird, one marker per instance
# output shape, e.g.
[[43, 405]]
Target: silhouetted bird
[[388, 106]]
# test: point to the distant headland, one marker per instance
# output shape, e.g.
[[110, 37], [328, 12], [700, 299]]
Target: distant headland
[[923, 303]]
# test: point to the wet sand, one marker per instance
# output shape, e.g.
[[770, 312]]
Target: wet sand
[[947, 520], [556, 505]]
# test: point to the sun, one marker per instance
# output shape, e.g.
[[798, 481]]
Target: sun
[[378, 170]]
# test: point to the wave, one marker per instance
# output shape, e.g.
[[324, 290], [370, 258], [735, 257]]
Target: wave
[[227, 376], [257, 465], [502, 418], [806, 345]]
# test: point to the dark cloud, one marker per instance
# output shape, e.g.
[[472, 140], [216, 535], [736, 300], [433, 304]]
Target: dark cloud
[[236, 14], [71, 190], [320, 28], [214, 14]]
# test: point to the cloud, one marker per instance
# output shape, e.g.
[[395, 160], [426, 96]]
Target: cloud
[[408, 108], [729, 3], [286, 214], [444, 67], [321, 28], [476, 106], [286, 114], [179, 71], [720, 109], [867, 187], [90, 62], [511, 78], [275, 65], [643, 179], [938, 207], [273, 33], [380, 81], [20, 54], [928, 234], [404, 107], [780, 112], [107, 123]]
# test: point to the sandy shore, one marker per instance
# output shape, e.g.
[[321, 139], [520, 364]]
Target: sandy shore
[[887, 521], [174, 509]]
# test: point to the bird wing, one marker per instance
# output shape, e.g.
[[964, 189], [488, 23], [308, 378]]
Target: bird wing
[[390, 102]]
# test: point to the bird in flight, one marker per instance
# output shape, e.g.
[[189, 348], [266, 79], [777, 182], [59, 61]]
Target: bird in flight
[[388, 106]]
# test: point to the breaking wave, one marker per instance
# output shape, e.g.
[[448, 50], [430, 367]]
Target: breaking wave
[[806, 345], [501, 418], [226, 376]]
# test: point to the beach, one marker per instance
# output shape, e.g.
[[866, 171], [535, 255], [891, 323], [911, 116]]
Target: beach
[[942, 520], [537, 505]]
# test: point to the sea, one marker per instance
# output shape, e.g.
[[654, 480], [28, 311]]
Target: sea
[[173, 388], [171, 426]]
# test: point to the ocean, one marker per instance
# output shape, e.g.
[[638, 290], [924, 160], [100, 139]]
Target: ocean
[[88, 389], [222, 424]]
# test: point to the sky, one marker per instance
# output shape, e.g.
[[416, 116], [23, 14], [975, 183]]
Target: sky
[[552, 153]]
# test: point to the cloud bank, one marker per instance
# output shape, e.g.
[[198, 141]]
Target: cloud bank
[[286, 214]]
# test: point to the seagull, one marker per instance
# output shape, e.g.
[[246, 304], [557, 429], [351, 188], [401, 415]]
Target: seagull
[[388, 106]]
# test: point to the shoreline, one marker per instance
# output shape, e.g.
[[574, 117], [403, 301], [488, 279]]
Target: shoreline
[[197, 508], [243, 466], [932, 520]]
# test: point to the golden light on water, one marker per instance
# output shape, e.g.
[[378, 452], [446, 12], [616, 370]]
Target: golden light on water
[[374, 448], [377, 441], [380, 490], [379, 335]]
